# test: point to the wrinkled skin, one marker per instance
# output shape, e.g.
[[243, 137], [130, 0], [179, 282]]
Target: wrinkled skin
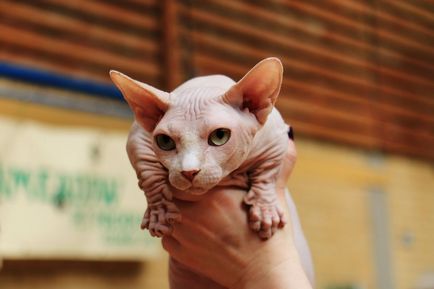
[[191, 164]]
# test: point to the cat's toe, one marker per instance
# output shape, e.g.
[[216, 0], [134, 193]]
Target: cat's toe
[[145, 220], [144, 224], [160, 230], [173, 218], [265, 234], [265, 220], [255, 225], [164, 230], [255, 214], [266, 230]]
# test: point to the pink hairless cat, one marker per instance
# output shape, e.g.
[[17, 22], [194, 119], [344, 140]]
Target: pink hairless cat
[[208, 132]]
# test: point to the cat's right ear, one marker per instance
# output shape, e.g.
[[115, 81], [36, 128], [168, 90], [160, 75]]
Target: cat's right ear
[[148, 103]]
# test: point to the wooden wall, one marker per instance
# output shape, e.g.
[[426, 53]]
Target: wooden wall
[[356, 72]]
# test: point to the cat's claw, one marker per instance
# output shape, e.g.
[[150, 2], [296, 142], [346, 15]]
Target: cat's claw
[[265, 219]]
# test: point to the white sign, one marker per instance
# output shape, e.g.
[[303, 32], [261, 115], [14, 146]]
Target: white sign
[[69, 193]]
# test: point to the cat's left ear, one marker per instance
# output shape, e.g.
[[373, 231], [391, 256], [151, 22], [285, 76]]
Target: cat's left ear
[[148, 103], [258, 89]]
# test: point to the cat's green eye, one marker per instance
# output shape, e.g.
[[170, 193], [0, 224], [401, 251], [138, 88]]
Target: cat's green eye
[[219, 137], [165, 142]]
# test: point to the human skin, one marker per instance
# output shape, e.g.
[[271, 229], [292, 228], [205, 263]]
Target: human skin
[[217, 250]]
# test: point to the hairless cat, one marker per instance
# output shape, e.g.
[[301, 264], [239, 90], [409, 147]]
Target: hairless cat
[[209, 131]]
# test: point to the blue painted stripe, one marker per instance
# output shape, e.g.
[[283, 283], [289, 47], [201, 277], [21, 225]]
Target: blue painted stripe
[[54, 79]]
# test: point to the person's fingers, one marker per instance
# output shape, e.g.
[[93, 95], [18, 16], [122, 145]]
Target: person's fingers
[[189, 229], [171, 245]]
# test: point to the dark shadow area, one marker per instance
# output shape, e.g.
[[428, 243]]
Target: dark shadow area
[[39, 268]]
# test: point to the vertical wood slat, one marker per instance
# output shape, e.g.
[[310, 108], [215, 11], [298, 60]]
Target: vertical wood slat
[[170, 44]]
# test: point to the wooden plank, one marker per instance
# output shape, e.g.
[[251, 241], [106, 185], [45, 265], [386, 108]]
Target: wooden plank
[[406, 16], [60, 48], [107, 11], [365, 14], [398, 40], [49, 19], [326, 133], [367, 124], [314, 93], [65, 66], [144, 3], [411, 8], [362, 7], [170, 44]]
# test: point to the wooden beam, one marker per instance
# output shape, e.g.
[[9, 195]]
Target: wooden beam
[[171, 57]]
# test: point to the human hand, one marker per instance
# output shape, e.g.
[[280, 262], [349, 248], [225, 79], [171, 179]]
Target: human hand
[[214, 240]]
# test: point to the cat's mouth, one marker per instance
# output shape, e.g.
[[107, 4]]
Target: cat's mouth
[[197, 186]]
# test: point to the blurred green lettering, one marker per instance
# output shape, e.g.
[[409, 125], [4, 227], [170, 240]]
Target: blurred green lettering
[[60, 189]]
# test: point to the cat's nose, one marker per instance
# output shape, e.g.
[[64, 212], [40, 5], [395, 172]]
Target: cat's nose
[[189, 175]]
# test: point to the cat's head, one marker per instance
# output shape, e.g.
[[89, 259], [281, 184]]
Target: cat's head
[[203, 130]]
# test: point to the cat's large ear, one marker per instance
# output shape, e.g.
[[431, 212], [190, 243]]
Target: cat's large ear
[[258, 89], [148, 103]]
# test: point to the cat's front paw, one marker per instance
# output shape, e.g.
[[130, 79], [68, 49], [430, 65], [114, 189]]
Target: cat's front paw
[[159, 219], [265, 219]]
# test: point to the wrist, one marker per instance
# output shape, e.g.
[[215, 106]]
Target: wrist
[[270, 267], [273, 277], [287, 274]]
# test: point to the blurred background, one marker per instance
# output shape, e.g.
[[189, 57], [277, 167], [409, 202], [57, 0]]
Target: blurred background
[[358, 90]]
